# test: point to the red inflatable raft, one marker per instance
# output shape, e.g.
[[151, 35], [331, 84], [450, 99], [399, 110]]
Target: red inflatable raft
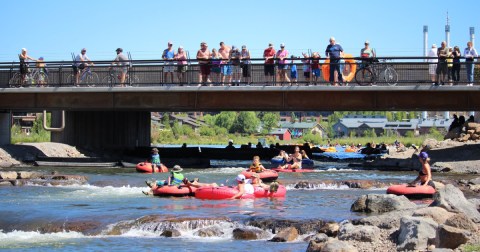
[[266, 176], [147, 167], [412, 191], [293, 170], [177, 191], [226, 192]]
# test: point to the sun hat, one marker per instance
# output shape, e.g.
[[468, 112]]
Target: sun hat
[[177, 168], [154, 150], [240, 177], [367, 42], [423, 155], [282, 45], [244, 46]]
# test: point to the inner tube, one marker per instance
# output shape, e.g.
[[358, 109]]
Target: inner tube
[[226, 192], [349, 150], [277, 161], [146, 167], [176, 191], [416, 192], [350, 68], [293, 170], [219, 193], [266, 176], [280, 161]]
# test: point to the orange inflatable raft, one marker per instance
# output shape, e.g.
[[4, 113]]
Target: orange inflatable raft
[[226, 192], [266, 176], [412, 191], [177, 191], [146, 167], [349, 69]]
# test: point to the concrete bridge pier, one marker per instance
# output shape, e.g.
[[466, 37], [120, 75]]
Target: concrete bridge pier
[[5, 128], [103, 130]]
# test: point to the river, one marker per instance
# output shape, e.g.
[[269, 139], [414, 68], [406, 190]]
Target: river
[[113, 197]]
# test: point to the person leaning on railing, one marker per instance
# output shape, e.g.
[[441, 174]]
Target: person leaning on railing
[[470, 54], [81, 61], [23, 57], [122, 61]]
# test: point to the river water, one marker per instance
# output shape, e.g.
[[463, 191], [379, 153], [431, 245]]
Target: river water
[[113, 197]]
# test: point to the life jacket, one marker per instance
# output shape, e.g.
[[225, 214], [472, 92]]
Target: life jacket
[[177, 178], [255, 168]]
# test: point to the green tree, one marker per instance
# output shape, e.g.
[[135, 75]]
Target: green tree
[[410, 134], [166, 120], [369, 133], [293, 117], [389, 116], [209, 119], [225, 119], [177, 129], [270, 120], [206, 131], [247, 122]]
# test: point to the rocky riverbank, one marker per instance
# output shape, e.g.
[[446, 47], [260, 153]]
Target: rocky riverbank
[[20, 178], [446, 156]]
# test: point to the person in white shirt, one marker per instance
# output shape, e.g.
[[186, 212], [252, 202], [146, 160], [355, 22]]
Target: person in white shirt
[[433, 60], [470, 54], [81, 61]]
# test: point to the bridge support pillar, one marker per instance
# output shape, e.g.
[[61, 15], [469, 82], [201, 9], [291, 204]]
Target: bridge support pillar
[[5, 128], [103, 129]]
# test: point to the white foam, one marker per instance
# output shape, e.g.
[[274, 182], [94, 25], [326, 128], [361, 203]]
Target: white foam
[[320, 186], [87, 191], [22, 238], [226, 170]]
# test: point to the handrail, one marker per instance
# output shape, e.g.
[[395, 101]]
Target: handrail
[[62, 127]]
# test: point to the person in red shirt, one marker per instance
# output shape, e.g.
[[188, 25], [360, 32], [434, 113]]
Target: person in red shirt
[[269, 67]]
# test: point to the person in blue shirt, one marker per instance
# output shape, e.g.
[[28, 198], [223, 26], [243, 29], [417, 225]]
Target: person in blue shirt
[[334, 52], [155, 160], [293, 72], [168, 55]]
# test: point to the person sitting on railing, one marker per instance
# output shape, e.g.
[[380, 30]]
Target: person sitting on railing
[[203, 57], [23, 57], [122, 61], [81, 61]]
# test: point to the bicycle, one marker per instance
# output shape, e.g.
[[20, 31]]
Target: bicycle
[[37, 76], [114, 76], [369, 73], [87, 77]]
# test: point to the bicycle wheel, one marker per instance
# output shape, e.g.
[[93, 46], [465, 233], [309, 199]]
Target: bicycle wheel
[[71, 80], [91, 79], [364, 77], [391, 76], [41, 79], [109, 80], [15, 81]]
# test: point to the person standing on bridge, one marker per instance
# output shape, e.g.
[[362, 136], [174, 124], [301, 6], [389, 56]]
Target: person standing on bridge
[[81, 61], [168, 56], [226, 67], [470, 54], [432, 67], [334, 51], [203, 57], [456, 65], [442, 66], [282, 55], [269, 66], [122, 61], [23, 57], [246, 65], [181, 58]]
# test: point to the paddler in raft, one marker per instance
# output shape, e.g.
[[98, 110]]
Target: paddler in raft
[[296, 158], [256, 166], [425, 174], [176, 179]]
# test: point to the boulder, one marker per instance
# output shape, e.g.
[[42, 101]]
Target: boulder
[[209, 232], [475, 181], [314, 246], [249, 234], [171, 233], [381, 203], [450, 237], [438, 214], [441, 167], [476, 203], [385, 221], [471, 132], [472, 126], [5, 183], [28, 175], [415, 233], [359, 233], [286, 235], [441, 250], [475, 136], [477, 130], [338, 246], [453, 200], [475, 188], [330, 229], [461, 221], [303, 226], [8, 175]]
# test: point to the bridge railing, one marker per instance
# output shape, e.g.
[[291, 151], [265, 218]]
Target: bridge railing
[[400, 71]]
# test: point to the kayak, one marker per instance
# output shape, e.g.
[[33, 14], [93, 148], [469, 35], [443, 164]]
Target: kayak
[[266, 176], [306, 162], [177, 191], [147, 167], [226, 192], [293, 170], [412, 191]]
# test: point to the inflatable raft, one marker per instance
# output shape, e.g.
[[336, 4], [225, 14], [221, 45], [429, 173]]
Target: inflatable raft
[[306, 162], [176, 191], [226, 192], [146, 167], [266, 176], [412, 191], [293, 170]]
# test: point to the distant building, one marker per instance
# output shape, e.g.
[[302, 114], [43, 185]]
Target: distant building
[[24, 121], [299, 129], [442, 125], [281, 134], [358, 124]]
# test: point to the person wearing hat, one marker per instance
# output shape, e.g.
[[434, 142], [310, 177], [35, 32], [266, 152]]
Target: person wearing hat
[[425, 174], [244, 187], [367, 54], [432, 67], [155, 161], [203, 58], [234, 58], [81, 61], [176, 179], [24, 57], [181, 58], [282, 55], [122, 61], [246, 67], [269, 65], [168, 56], [230, 144], [43, 72]]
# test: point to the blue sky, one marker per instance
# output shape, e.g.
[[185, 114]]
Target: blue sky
[[53, 29]]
